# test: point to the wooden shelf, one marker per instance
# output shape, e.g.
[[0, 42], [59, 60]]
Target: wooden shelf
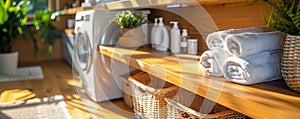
[[69, 31], [72, 11], [264, 100], [130, 4]]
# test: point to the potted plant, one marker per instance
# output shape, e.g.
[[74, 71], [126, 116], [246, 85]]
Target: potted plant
[[131, 34], [12, 22], [285, 17]]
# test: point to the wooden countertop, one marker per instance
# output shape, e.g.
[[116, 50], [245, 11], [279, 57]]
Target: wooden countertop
[[265, 100]]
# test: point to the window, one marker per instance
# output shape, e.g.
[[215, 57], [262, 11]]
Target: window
[[35, 5]]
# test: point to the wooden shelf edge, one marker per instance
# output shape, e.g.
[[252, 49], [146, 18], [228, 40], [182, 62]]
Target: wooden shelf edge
[[131, 4], [264, 100], [72, 11], [204, 2], [69, 31]]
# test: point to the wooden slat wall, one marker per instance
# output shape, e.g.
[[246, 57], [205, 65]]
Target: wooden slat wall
[[25, 49], [183, 24], [238, 15], [225, 16]]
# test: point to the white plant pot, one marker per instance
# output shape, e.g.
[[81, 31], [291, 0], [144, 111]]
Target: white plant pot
[[8, 63], [132, 38]]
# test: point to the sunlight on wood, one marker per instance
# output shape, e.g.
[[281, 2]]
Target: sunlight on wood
[[58, 81], [76, 83], [16, 95], [264, 100]]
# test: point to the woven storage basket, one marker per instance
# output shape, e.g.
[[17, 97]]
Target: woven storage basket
[[290, 66], [149, 93], [185, 104], [127, 90], [127, 93]]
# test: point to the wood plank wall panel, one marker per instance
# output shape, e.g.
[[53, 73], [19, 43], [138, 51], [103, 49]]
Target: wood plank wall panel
[[25, 49], [238, 15], [226, 16], [183, 24]]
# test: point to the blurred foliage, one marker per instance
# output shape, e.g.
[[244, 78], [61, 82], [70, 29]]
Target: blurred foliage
[[12, 22], [284, 15], [47, 32], [13, 19]]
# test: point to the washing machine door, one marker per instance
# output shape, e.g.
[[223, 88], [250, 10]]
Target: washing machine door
[[83, 52]]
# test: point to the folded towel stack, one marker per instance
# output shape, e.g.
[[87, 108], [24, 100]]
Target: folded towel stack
[[245, 56]]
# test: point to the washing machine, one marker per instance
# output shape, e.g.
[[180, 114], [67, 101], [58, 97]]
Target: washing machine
[[100, 81]]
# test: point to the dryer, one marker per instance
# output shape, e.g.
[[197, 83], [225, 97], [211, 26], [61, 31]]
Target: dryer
[[94, 28]]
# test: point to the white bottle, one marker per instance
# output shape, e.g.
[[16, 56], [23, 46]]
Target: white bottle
[[183, 42], [175, 38], [153, 32], [161, 37]]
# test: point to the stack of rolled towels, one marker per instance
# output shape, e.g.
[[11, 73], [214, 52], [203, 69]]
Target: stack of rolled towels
[[245, 56]]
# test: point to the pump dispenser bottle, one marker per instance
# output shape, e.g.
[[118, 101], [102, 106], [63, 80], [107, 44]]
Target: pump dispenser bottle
[[175, 38], [161, 37], [183, 42], [153, 32]]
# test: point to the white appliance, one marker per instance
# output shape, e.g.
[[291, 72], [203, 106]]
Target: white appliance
[[100, 80]]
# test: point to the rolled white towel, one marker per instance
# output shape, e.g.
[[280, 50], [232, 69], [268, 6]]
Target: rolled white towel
[[245, 44], [211, 61], [217, 39], [257, 68]]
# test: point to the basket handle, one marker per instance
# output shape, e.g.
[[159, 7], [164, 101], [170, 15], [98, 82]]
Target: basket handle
[[141, 90], [183, 108], [187, 110], [141, 86]]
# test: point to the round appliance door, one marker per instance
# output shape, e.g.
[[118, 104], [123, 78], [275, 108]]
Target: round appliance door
[[83, 52]]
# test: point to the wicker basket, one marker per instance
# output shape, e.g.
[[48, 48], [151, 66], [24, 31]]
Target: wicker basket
[[182, 108], [290, 66], [149, 94], [127, 93], [127, 90]]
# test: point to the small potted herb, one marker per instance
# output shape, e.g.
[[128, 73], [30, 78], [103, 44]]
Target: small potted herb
[[131, 34]]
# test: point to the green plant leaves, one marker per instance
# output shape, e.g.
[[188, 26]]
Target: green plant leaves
[[284, 16], [12, 21], [45, 30], [7, 4], [3, 13]]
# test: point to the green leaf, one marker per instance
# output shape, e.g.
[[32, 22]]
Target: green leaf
[[20, 30], [13, 9], [4, 30], [46, 18], [3, 13], [24, 20], [7, 4]]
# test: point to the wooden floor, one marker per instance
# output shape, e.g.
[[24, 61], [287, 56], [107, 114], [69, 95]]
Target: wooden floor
[[58, 80]]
